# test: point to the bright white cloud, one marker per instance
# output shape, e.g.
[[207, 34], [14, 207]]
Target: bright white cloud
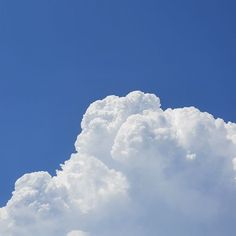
[[137, 170]]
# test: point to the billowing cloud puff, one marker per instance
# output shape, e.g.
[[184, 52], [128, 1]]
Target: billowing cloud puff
[[137, 170]]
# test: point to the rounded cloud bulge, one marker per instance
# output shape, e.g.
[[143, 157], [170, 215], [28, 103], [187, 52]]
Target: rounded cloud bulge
[[137, 170]]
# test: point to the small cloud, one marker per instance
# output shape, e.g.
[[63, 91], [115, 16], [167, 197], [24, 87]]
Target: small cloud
[[77, 233], [191, 156]]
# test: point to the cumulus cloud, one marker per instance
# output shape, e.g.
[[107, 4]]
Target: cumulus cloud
[[137, 170]]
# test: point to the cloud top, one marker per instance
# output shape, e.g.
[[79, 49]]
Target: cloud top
[[137, 170]]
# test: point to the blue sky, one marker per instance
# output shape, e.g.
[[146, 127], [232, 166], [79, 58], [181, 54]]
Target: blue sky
[[57, 57]]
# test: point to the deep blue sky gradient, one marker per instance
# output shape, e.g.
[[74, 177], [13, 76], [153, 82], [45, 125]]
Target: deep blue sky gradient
[[56, 57]]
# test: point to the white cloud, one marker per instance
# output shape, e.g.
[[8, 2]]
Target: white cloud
[[137, 170], [77, 233]]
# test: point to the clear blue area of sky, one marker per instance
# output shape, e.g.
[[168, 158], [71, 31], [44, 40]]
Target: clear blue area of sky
[[56, 57]]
